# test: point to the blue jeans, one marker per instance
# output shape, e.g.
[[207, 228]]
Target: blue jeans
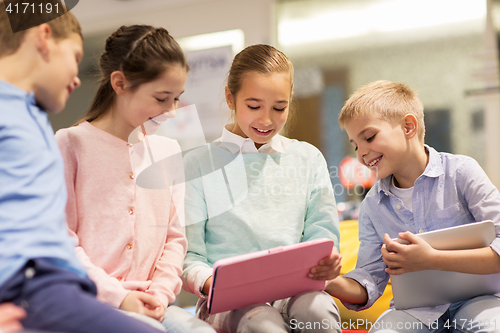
[[479, 314], [57, 300]]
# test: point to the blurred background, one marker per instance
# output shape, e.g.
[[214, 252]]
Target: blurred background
[[447, 50]]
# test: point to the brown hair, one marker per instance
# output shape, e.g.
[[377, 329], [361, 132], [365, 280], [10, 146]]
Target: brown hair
[[259, 58], [391, 101], [141, 53], [62, 26]]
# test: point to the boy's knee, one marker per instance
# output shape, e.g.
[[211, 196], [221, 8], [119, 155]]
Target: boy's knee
[[482, 312]]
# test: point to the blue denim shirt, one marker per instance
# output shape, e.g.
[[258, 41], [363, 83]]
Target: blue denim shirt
[[453, 190], [32, 187]]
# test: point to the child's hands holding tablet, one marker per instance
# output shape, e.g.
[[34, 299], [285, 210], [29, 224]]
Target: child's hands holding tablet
[[407, 254], [328, 268]]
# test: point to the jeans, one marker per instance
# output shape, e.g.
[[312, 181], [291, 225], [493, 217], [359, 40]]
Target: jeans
[[57, 300], [480, 314]]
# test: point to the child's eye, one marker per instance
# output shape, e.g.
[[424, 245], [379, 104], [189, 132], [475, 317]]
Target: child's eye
[[253, 107], [161, 100], [370, 139], [355, 148], [280, 110]]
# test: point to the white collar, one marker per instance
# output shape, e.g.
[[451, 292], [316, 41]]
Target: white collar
[[236, 143]]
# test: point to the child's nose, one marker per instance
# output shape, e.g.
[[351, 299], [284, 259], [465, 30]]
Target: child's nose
[[170, 108], [361, 152], [77, 82], [265, 119]]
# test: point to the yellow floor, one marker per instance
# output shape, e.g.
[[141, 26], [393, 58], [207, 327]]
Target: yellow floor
[[349, 245]]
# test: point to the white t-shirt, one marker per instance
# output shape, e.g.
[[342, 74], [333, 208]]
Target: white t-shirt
[[404, 194]]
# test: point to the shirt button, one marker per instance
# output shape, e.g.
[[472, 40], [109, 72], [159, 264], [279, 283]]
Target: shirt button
[[398, 207], [131, 175], [421, 231], [129, 144], [129, 246], [131, 211], [29, 273]]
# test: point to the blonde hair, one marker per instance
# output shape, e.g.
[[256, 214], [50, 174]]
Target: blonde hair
[[62, 26], [391, 101]]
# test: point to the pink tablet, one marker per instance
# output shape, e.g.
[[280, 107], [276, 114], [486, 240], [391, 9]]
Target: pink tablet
[[266, 276]]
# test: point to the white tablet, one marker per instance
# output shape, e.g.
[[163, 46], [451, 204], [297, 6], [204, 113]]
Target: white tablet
[[432, 288]]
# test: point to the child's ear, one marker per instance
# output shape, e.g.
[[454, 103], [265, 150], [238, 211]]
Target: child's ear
[[229, 98], [118, 82], [42, 34], [410, 126]]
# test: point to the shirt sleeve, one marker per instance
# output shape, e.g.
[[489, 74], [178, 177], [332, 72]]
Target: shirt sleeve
[[166, 281], [481, 196], [110, 290], [196, 268], [370, 268], [321, 217]]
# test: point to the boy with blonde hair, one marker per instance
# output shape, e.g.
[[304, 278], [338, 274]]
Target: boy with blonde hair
[[418, 190], [39, 270]]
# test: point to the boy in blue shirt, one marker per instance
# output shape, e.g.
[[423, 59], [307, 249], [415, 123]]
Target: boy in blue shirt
[[39, 270], [418, 190]]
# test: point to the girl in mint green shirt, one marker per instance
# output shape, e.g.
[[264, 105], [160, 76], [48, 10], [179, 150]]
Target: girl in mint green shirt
[[253, 189]]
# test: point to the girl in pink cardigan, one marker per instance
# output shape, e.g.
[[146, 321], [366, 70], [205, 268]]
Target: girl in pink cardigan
[[130, 239]]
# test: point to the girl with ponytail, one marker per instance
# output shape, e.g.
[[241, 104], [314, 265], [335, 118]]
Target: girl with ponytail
[[130, 239]]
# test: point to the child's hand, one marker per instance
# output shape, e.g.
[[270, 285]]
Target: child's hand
[[10, 317], [328, 268], [157, 308], [403, 258], [143, 303], [206, 286]]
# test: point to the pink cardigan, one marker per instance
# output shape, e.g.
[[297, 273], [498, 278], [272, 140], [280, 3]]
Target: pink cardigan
[[128, 237]]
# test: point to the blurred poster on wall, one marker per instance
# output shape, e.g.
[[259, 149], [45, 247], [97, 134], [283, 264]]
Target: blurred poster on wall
[[205, 89]]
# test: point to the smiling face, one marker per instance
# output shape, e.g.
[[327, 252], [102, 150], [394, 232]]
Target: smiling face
[[261, 105], [380, 145], [154, 98], [62, 61]]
